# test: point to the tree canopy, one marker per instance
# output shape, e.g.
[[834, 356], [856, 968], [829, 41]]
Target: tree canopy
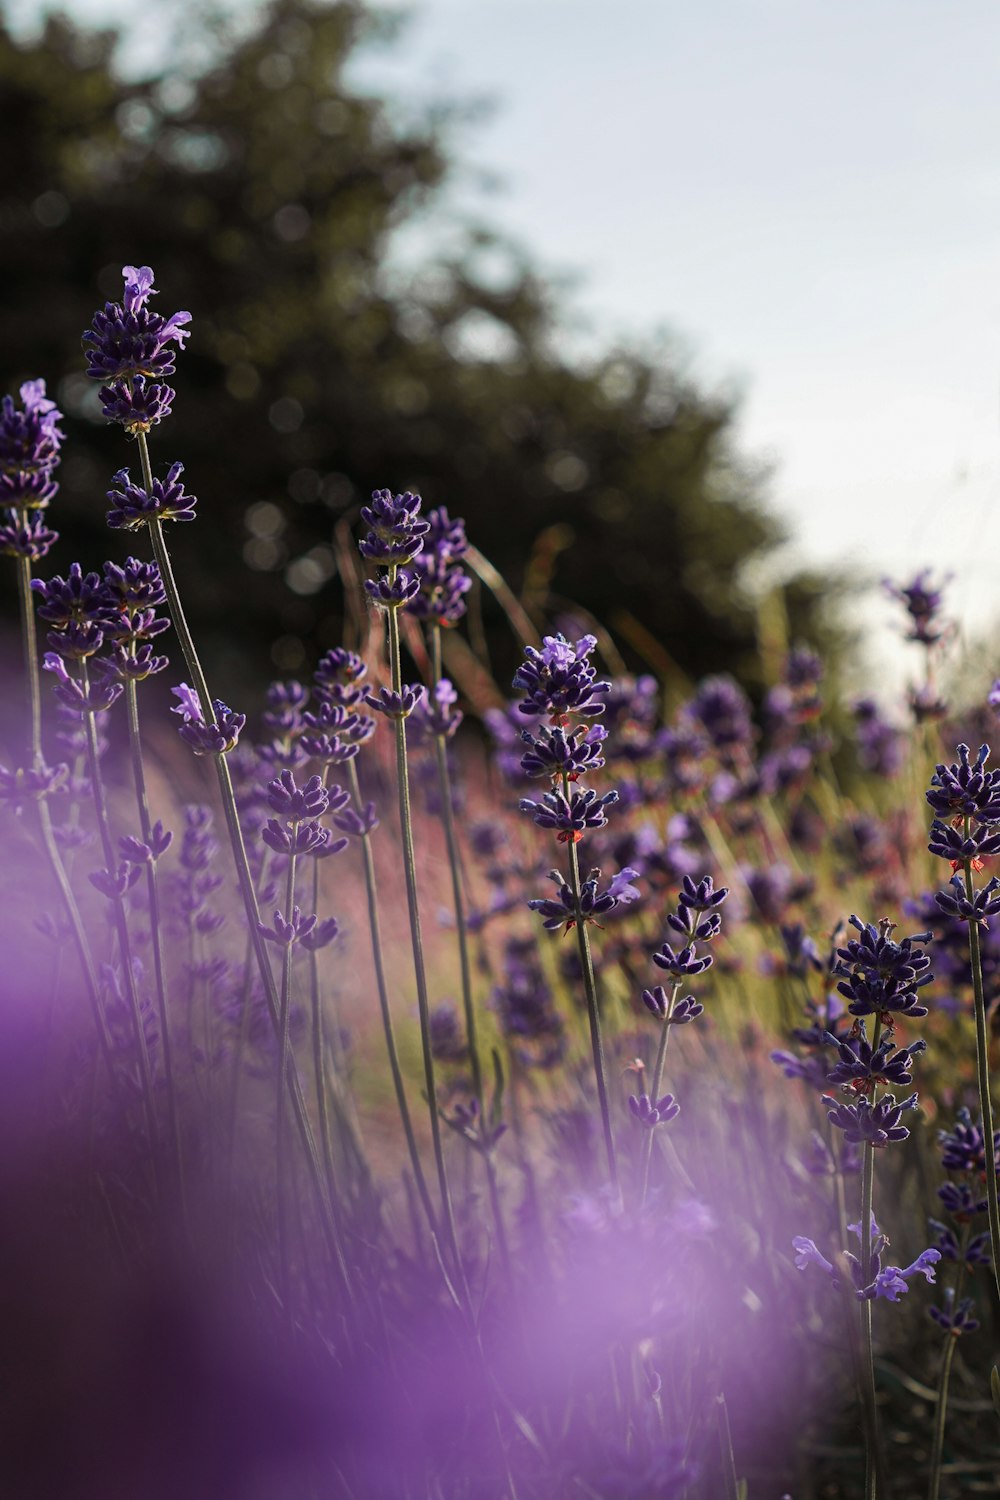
[[265, 192]]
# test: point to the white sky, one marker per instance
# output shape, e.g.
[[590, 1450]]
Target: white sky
[[806, 193]]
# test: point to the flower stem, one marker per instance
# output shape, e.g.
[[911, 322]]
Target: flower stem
[[594, 1014], [29, 641], [145, 824], [284, 1051], [654, 1093], [383, 1000], [983, 1079], [416, 938], [121, 926], [243, 874], [947, 1355], [873, 1453]]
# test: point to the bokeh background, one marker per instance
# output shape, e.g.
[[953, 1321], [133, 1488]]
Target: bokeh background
[[691, 311]]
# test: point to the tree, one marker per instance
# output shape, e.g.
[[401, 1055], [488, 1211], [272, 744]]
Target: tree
[[265, 193]]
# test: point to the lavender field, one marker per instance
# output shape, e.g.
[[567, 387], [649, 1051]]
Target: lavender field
[[446, 1088]]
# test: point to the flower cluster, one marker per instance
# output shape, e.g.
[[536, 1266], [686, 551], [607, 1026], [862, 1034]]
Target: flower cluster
[[30, 439], [888, 1282], [128, 347], [207, 737], [442, 581]]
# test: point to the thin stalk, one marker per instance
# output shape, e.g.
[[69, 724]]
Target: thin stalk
[[458, 897], [947, 1355], [243, 872], [416, 938], [730, 1482], [594, 1014], [318, 1049], [29, 641], [284, 1051], [873, 1457], [654, 1093], [465, 967], [983, 1077], [145, 824], [121, 925], [374, 927]]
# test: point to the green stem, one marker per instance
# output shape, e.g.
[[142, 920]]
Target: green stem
[[374, 927], [145, 824], [30, 644], [594, 1014], [983, 1077], [29, 641], [318, 1050], [654, 1093], [416, 938], [464, 964], [873, 1459], [121, 923], [284, 1052], [947, 1355], [244, 875]]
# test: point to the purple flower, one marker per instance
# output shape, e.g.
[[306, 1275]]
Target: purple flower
[[133, 506], [139, 406], [889, 1283], [650, 1114], [338, 677], [683, 965], [436, 715], [559, 680], [881, 977], [966, 789], [396, 529], [443, 583], [357, 824], [875, 1123], [956, 904], [448, 1042], [99, 694], [30, 439], [880, 744], [566, 911], [392, 593], [31, 538], [129, 340], [722, 709], [295, 803], [557, 752], [955, 1320], [569, 816], [861, 1066], [951, 844], [304, 929], [215, 738], [923, 605], [30, 784], [657, 1002], [396, 705]]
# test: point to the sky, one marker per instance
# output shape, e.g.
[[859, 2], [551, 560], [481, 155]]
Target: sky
[[805, 195]]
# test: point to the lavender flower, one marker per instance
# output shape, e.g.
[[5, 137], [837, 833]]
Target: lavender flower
[[557, 752], [396, 705], [215, 738], [559, 680], [570, 816], [442, 582], [650, 1114], [923, 602], [396, 528], [881, 977], [30, 439], [967, 789], [133, 506], [876, 1123], [128, 347]]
